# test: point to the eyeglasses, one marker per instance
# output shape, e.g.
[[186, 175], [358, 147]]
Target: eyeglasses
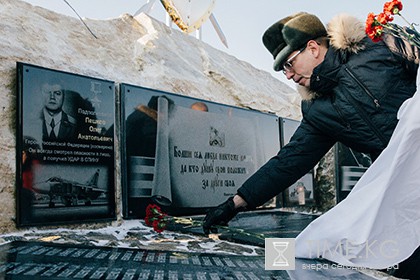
[[288, 65]]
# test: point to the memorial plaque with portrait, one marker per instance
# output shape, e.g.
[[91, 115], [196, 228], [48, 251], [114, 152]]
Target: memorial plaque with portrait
[[189, 154], [65, 147]]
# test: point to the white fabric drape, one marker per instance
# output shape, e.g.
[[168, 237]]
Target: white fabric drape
[[378, 224]]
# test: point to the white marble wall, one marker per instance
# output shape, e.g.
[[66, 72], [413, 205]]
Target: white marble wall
[[139, 51]]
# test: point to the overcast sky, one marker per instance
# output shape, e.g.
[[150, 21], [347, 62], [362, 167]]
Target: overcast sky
[[242, 21]]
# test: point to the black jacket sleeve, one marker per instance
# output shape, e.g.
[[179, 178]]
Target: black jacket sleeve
[[306, 147]]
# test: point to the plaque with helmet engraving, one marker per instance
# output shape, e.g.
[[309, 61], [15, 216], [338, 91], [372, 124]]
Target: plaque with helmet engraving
[[188, 154]]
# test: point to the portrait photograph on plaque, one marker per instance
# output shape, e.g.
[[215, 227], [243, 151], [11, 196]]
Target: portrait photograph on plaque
[[188, 154], [65, 147]]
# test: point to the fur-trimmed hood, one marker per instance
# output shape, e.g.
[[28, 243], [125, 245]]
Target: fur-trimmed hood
[[345, 33]]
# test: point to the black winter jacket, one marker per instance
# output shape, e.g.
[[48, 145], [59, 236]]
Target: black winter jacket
[[354, 97]]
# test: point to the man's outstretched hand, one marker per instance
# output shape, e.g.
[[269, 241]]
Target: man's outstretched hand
[[220, 215]]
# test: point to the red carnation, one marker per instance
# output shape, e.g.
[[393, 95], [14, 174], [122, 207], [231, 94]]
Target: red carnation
[[373, 28], [156, 218], [384, 18], [393, 7], [159, 225], [148, 220], [153, 213]]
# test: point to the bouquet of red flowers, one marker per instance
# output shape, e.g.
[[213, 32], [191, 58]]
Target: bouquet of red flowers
[[159, 220], [376, 25], [156, 218]]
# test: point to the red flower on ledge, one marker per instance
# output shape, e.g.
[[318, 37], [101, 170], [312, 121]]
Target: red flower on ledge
[[156, 218], [159, 220]]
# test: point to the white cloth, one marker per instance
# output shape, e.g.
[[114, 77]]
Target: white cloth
[[378, 224]]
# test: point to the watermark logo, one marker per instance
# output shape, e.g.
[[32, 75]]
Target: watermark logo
[[370, 249], [279, 253]]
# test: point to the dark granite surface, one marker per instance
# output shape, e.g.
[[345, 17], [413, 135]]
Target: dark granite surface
[[257, 225], [42, 260]]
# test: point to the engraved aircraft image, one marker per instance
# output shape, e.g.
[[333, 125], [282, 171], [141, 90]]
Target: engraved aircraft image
[[70, 192]]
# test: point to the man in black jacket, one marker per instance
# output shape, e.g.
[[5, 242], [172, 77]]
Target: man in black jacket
[[352, 89]]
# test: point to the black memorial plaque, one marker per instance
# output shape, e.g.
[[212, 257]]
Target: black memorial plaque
[[350, 166], [31, 260], [204, 167], [301, 193], [65, 147]]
